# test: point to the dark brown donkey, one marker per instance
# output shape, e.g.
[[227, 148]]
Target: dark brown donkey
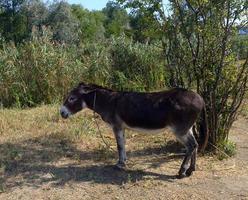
[[176, 108]]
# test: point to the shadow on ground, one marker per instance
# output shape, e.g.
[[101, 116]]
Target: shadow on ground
[[44, 160]]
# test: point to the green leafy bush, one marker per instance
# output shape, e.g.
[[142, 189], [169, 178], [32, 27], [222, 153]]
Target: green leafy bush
[[240, 46], [136, 66], [228, 149], [42, 71], [34, 72]]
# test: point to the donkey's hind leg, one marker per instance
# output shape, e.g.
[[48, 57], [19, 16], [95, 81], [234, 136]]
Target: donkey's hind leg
[[192, 163], [189, 141]]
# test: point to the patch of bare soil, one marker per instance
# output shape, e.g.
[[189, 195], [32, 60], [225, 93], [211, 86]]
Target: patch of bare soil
[[47, 167]]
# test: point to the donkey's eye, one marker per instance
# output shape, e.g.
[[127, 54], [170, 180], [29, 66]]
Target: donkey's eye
[[72, 99]]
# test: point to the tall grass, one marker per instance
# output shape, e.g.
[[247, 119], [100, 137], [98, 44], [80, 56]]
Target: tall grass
[[42, 71], [136, 66]]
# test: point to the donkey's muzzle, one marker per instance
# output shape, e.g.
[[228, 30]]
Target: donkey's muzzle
[[64, 112]]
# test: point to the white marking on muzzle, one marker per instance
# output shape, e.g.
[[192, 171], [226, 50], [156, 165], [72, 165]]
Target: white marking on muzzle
[[65, 111], [84, 105]]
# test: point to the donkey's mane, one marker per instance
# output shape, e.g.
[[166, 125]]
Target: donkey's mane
[[95, 86]]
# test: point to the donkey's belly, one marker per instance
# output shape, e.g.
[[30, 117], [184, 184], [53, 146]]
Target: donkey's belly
[[144, 130], [145, 123]]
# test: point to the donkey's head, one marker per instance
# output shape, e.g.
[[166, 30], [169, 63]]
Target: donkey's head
[[75, 101]]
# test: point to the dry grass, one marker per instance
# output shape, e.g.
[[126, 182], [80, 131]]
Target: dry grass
[[42, 127], [19, 125], [244, 108], [32, 137], [42, 154]]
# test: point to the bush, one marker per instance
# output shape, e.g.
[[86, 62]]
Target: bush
[[228, 149], [201, 57], [42, 71], [136, 66], [34, 72], [240, 46]]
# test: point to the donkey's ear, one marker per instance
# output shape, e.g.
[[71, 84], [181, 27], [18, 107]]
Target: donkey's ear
[[84, 89], [82, 84]]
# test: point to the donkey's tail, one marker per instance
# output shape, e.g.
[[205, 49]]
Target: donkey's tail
[[203, 132]]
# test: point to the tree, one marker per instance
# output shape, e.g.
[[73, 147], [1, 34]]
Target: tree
[[144, 28], [13, 23], [64, 25], [36, 13], [240, 45], [197, 46], [90, 23], [117, 19]]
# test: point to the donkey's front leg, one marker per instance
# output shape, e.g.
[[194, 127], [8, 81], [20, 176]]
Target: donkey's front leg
[[120, 139]]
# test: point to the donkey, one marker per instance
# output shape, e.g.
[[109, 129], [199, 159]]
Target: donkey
[[176, 108]]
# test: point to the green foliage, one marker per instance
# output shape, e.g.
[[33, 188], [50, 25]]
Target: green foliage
[[47, 49], [144, 28], [200, 52], [70, 24], [228, 149], [63, 23], [240, 46], [42, 71], [117, 19], [36, 13], [196, 40], [90, 23], [13, 22], [136, 66], [34, 72]]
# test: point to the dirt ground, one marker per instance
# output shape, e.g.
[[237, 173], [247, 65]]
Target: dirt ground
[[51, 167]]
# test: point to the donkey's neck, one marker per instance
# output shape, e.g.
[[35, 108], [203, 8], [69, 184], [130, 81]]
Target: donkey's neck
[[101, 101]]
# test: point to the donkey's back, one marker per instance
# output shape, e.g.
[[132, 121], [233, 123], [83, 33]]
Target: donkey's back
[[176, 107]]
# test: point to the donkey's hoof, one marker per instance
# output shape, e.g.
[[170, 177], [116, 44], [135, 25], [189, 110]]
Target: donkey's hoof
[[120, 166], [189, 171], [180, 176]]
